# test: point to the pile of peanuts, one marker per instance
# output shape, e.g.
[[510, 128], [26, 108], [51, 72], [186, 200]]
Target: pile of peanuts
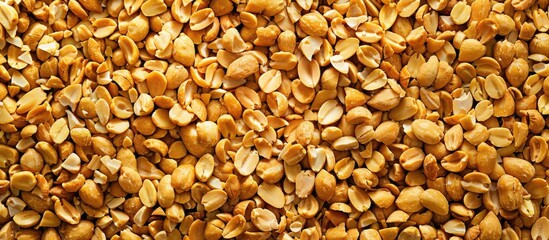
[[274, 119]]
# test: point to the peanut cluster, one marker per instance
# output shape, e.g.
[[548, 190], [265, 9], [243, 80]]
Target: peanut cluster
[[274, 119]]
